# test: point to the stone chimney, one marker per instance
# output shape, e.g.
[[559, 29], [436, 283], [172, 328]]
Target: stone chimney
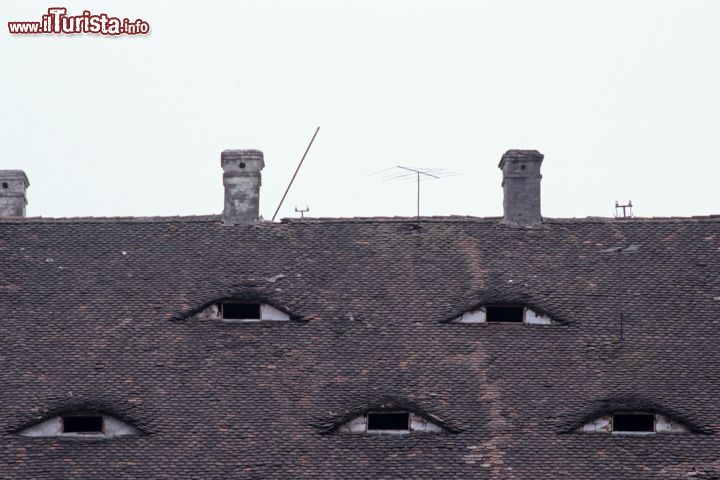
[[241, 179], [13, 184], [521, 187]]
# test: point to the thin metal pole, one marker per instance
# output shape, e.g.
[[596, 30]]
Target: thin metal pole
[[418, 172], [418, 199], [295, 174], [620, 295]]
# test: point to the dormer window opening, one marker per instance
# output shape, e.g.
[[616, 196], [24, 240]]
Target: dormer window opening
[[389, 422], [82, 424], [240, 311], [633, 423], [505, 314], [384, 421]]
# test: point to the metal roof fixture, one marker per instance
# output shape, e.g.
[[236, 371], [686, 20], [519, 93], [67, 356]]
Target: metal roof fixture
[[623, 211], [416, 174], [295, 174], [302, 211], [633, 248]]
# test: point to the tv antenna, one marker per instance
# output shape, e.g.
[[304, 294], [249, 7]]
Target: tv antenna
[[417, 174], [302, 212], [626, 210]]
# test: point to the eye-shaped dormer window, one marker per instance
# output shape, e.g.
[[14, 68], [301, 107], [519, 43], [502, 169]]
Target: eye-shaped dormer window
[[633, 423], [503, 313], [81, 424], [389, 422], [241, 311]]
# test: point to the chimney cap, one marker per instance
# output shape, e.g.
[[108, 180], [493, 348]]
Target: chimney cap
[[15, 175], [228, 156], [516, 155]]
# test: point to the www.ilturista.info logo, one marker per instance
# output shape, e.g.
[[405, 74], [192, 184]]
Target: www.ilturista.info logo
[[58, 22]]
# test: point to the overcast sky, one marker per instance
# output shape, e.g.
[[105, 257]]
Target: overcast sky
[[622, 97]]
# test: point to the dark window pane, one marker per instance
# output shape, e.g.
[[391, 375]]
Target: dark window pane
[[633, 422], [85, 424], [241, 311], [388, 421], [505, 314]]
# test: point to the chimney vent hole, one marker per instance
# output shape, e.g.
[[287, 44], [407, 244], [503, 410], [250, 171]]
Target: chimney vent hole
[[522, 167], [5, 185], [242, 164]]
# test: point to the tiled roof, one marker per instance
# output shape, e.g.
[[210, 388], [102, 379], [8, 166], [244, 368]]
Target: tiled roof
[[93, 312]]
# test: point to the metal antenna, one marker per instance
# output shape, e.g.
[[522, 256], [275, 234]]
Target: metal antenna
[[621, 295], [417, 174], [626, 209], [295, 174], [632, 248], [302, 212]]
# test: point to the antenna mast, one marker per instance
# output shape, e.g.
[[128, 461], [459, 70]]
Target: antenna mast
[[302, 212], [418, 173], [626, 210]]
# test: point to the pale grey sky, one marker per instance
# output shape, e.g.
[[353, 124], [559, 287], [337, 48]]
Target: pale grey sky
[[622, 97]]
